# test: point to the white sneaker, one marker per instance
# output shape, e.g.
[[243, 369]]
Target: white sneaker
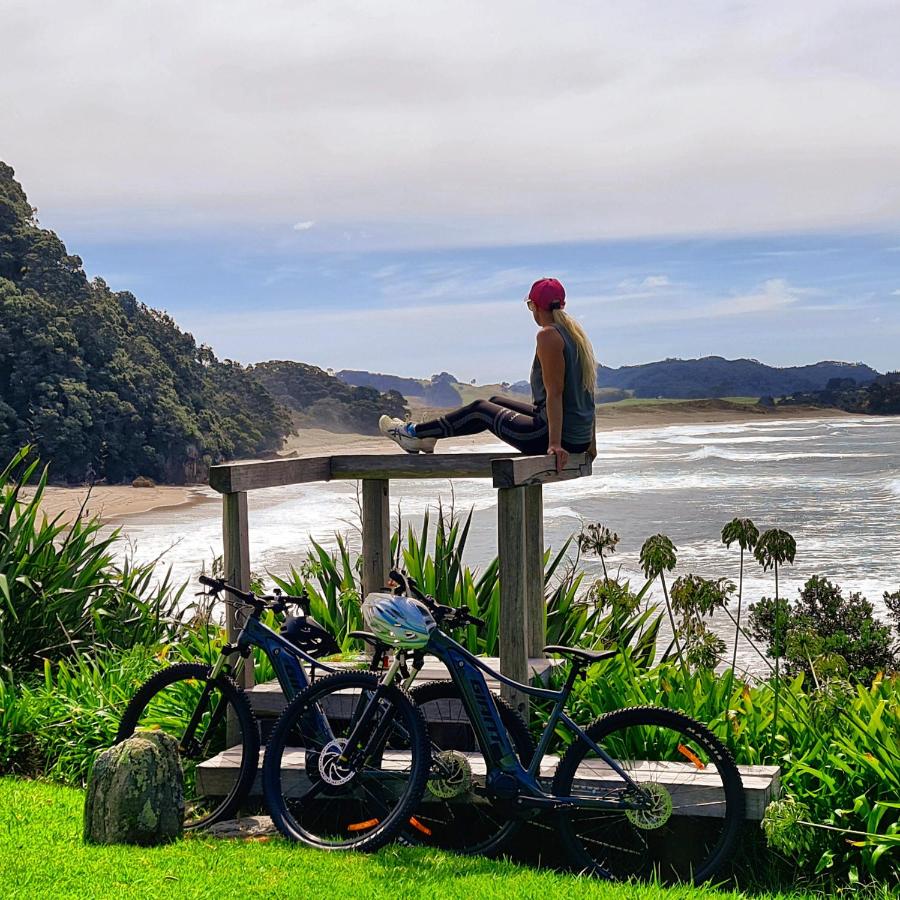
[[399, 431]]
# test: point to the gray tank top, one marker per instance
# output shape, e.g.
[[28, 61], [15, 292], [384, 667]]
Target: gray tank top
[[578, 404]]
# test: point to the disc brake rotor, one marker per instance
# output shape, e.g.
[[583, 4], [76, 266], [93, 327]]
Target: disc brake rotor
[[657, 809], [331, 768], [452, 775]]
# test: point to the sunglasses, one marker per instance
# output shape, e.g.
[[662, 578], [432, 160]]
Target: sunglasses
[[530, 304]]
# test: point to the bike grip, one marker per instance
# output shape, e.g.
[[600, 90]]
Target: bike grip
[[209, 582], [474, 620]]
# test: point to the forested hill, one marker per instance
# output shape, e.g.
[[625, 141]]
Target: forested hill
[[319, 399], [107, 387], [713, 376], [100, 382]]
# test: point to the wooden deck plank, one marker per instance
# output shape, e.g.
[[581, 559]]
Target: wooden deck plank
[[693, 793]]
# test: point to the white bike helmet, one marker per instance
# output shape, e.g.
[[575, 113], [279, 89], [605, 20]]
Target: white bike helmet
[[398, 621]]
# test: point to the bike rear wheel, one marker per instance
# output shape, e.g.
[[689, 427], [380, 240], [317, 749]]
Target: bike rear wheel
[[331, 794], [684, 820], [456, 812], [188, 705]]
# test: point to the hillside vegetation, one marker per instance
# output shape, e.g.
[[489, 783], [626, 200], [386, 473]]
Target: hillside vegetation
[[711, 377], [105, 387], [714, 376], [321, 400]]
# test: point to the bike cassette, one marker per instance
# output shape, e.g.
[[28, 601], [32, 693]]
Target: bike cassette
[[332, 769], [451, 775], [656, 812]]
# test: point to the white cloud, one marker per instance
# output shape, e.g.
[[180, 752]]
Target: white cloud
[[303, 226], [896, 293], [456, 123], [656, 281]]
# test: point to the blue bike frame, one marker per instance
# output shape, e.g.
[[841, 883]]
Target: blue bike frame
[[467, 672], [284, 656]]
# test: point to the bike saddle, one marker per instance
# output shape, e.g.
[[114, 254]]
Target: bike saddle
[[306, 634], [587, 656]]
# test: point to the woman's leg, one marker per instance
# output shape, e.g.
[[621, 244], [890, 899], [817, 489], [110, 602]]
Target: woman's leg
[[525, 432], [515, 405]]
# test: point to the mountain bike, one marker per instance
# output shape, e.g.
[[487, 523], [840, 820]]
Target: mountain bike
[[208, 713], [205, 709], [644, 791]]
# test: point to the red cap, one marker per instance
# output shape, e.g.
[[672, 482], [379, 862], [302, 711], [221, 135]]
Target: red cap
[[548, 294]]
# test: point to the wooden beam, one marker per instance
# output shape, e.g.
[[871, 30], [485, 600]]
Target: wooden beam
[[506, 471], [407, 465], [518, 471], [535, 608], [376, 534], [236, 565], [247, 476], [513, 625]]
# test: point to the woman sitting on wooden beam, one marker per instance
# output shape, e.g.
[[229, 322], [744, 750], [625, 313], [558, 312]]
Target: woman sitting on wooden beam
[[563, 376]]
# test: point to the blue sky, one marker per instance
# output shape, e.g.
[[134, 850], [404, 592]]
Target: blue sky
[[376, 185], [783, 300]]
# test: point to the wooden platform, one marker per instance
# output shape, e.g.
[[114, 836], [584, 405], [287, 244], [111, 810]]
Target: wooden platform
[[693, 793]]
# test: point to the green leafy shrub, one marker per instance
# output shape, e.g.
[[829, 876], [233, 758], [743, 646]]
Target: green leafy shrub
[[822, 629], [66, 717], [61, 591]]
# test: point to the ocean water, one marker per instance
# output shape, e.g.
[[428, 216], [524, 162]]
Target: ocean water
[[833, 483]]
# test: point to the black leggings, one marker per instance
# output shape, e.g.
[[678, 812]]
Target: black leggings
[[513, 421]]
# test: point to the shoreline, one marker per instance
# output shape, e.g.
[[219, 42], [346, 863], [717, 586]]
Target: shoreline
[[112, 503], [116, 503]]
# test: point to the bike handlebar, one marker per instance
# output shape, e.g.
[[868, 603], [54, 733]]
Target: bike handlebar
[[276, 601], [453, 616]]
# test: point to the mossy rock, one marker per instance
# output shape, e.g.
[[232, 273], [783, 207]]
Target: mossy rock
[[143, 481], [135, 792]]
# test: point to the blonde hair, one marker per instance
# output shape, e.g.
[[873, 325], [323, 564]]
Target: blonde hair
[[585, 351]]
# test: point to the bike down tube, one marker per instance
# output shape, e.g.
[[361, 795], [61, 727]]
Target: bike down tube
[[479, 704]]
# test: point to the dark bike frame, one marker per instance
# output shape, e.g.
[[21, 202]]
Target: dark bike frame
[[283, 655], [506, 776], [467, 672]]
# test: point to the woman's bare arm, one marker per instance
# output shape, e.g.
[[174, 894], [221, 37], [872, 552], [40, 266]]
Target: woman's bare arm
[[553, 371]]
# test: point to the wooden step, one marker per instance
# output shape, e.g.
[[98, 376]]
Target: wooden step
[[267, 699], [693, 793]]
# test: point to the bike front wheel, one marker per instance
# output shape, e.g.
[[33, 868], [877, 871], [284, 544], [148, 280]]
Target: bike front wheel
[[195, 709], [677, 821], [346, 764]]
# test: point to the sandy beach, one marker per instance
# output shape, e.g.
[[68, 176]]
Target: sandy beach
[[113, 503]]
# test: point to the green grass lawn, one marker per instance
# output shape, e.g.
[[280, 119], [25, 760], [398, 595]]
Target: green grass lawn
[[42, 855]]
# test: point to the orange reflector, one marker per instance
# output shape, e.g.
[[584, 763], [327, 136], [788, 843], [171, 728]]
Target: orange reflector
[[362, 826], [419, 826], [686, 751]]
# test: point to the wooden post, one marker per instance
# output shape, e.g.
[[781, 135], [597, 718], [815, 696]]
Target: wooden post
[[535, 608], [376, 534], [236, 540], [236, 563], [513, 624]]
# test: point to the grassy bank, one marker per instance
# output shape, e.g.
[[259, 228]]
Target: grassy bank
[[41, 855]]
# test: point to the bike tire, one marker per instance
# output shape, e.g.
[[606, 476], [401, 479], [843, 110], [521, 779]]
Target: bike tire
[[609, 843], [480, 827], [188, 679], [355, 808]]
